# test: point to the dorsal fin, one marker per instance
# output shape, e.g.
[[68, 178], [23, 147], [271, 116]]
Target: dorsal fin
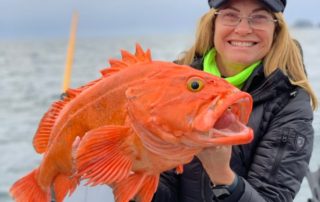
[[42, 136], [128, 57], [107, 71], [127, 60], [118, 63], [143, 56]]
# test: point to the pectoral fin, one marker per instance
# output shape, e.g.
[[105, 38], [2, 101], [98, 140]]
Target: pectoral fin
[[103, 157]]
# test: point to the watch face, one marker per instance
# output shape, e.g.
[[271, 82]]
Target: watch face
[[223, 196], [221, 192]]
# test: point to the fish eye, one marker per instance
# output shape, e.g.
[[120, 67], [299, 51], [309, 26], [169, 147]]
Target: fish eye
[[195, 84]]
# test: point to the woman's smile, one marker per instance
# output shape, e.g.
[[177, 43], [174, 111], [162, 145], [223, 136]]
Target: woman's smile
[[242, 43]]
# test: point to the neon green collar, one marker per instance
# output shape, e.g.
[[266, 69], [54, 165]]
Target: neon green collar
[[238, 80]]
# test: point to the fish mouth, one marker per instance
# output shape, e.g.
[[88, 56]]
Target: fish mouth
[[230, 127], [224, 123]]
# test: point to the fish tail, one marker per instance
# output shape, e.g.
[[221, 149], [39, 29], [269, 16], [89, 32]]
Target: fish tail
[[28, 189], [64, 184], [138, 186]]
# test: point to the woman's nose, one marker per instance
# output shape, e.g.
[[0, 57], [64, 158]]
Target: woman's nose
[[243, 27]]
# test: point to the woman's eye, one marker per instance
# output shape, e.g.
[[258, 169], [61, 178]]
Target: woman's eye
[[259, 17], [231, 15]]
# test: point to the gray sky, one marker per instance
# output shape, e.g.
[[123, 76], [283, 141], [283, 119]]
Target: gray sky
[[51, 18]]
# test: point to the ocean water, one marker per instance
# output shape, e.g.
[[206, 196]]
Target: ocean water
[[31, 73]]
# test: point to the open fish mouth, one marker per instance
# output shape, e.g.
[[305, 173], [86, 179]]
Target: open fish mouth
[[225, 121], [229, 122], [230, 127]]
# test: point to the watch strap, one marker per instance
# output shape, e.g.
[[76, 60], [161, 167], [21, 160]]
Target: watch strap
[[222, 191]]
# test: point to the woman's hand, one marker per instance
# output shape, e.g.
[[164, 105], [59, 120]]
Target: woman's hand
[[216, 162]]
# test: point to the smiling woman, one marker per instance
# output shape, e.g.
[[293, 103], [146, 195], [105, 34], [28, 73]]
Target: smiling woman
[[241, 41], [249, 41]]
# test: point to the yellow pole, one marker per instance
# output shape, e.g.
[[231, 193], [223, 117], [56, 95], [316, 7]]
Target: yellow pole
[[70, 52]]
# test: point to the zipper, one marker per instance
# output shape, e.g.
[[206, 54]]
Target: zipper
[[284, 140]]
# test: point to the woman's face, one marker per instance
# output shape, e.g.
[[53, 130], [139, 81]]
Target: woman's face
[[239, 46]]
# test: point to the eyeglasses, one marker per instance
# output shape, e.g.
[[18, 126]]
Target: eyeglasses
[[256, 21]]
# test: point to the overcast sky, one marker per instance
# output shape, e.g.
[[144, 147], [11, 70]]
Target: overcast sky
[[51, 18]]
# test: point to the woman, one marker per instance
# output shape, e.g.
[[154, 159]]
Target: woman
[[247, 42]]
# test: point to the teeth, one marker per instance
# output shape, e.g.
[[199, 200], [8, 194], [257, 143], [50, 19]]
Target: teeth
[[241, 44]]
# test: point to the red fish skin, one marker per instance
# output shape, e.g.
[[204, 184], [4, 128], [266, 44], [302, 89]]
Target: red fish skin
[[156, 116], [155, 163], [83, 110]]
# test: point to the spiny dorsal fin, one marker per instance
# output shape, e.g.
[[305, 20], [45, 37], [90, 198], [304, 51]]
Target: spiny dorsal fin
[[108, 71], [118, 63], [143, 56], [42, 136], [127, 60], [128, 57]]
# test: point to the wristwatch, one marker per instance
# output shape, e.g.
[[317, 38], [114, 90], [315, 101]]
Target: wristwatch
[[223, 191]]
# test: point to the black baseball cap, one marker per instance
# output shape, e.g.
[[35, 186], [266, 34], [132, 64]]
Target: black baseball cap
[[273, 5]]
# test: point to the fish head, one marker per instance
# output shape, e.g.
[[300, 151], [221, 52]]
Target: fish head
[[180, 105]]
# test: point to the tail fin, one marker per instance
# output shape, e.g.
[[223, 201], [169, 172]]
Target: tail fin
[[28, 189]]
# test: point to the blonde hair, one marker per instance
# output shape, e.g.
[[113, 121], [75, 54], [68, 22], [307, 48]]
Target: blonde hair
[[284, 54]]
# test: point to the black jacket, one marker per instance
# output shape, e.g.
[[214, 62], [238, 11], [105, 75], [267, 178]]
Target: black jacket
[[272, 166]]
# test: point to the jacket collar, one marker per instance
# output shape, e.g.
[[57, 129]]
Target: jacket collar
[[260, 87], [264, 88]]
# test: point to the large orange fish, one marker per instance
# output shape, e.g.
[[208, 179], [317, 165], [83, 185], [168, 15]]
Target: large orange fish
[[141, 118]]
